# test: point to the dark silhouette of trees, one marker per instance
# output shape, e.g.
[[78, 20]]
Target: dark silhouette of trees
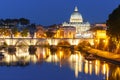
[[14, 31], [24, 32], [10, 27], [32, 29], [7, 21], [113, 30], [1, 22], [113, 23], [24, 21], [53, 26], [50, 34], [15, 21]]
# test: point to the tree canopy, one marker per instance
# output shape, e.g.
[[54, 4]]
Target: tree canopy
[[50, 34], [113, 23], [15, 31], [24, 32], [113, 30], [24, 21]]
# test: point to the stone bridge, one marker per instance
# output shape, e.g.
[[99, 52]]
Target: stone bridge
[[42, 41]]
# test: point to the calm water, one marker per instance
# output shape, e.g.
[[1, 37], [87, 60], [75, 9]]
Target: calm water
[[59, 66]]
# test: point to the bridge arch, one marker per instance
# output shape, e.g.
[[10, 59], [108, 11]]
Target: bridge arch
[[63, 42], [3, 41], [21, 42], [42, 42]]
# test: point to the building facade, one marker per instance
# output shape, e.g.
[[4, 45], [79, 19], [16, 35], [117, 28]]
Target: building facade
[[65, 32], [77, 21], [40, 32]]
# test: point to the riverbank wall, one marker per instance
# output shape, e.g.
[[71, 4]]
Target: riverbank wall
[[109, 56]]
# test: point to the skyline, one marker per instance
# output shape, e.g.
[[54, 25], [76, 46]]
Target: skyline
[[55, 12]]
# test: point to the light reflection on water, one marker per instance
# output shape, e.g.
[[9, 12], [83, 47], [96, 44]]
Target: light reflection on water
[[76, 62]]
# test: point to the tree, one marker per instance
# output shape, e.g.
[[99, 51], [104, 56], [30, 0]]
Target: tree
[[14, 31], [1, 23], [32, 29], [5, 32], [113, 24], [24, 21], [52, 26], [24, 33], [50, 34], [15, 21], [7, 21]]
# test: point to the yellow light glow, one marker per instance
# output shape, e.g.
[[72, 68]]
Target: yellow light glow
[[52, 58], [76, 69], [105, 70], [90, 69], [101, 34], [97, 67], [86, 67]]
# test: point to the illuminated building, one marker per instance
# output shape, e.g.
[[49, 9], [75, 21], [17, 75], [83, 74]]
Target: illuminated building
[[76, 20], [40, 32], [100, 34], [101, 25], [101, 39], [66, 32]]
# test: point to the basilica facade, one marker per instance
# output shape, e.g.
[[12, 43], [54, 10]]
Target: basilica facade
[[76, 20]]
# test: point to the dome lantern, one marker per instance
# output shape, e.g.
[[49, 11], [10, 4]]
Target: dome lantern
[[76, 9]]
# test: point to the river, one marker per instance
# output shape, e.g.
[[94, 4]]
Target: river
[[61, 65]]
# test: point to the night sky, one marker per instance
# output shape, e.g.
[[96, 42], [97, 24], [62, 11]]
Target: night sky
[[47, 12]]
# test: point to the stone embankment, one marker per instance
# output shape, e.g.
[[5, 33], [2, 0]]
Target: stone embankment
[[103, 54]]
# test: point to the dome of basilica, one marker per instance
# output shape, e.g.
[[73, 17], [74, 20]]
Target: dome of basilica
[[76, 16]]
